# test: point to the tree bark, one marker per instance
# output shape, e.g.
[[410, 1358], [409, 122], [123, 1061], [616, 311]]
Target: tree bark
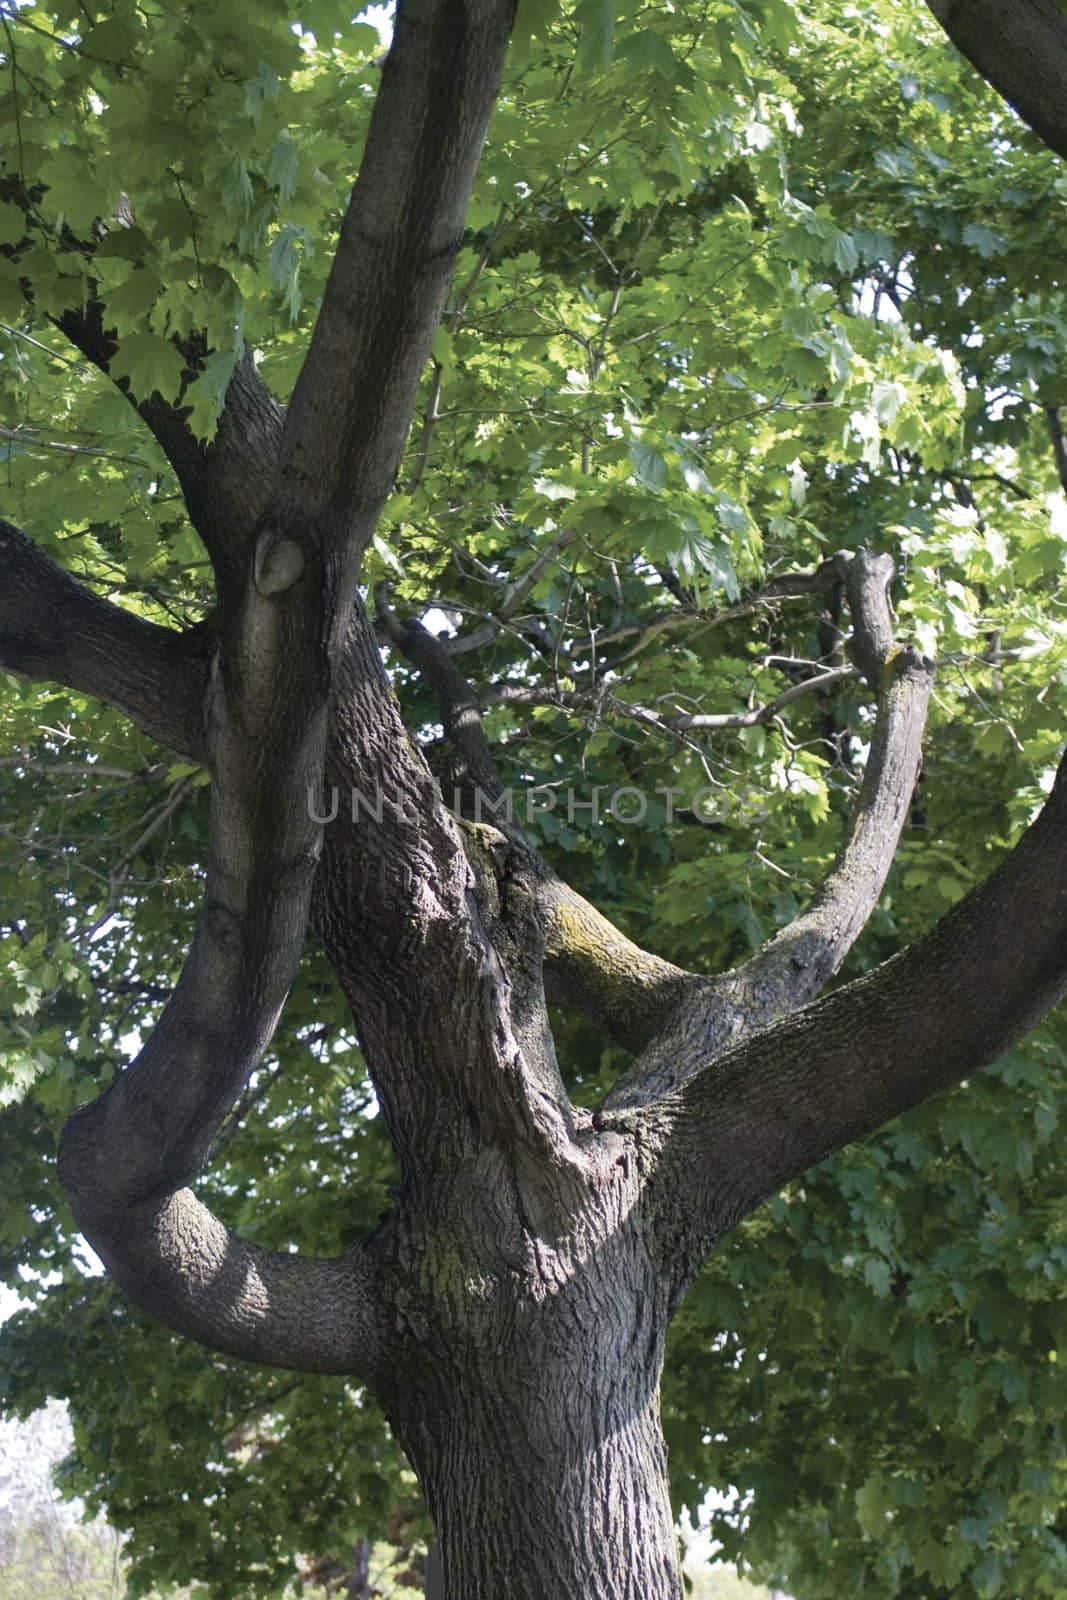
[[523, 1385], [558, 1488], [510, 1309]]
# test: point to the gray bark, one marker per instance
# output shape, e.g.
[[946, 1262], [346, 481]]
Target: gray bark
[[523, 1383], [510, 1309]]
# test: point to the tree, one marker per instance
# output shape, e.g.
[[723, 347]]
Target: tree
[[532, 1237]]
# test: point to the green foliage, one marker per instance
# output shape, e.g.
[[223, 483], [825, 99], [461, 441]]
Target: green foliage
[[51, 1548], [735, 291]]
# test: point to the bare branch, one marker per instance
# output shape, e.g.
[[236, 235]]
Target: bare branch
[[456, 701], [590, 964], [32, 441], [180, 1264], [790, 585], [452, 323], [85, 769], [601, 703], [512, 598]]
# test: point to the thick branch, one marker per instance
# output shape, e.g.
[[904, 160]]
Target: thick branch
[[126, 1157], [591, 965], [181, 1265], [435, 940], [225, 483], [52, 627], [352, 405], [1020, 47], [952, 1003], [791, 968], [588, 962]]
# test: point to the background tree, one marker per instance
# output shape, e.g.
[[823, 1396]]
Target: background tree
[[735, 291]]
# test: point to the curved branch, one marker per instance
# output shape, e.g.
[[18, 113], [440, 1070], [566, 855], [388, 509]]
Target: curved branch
[[125, 1158], [52, 627], [953, 1002], [351, 408], [590, 964], [1020, 48], [181, 1265], [796, 964], [791, 968], [641, 1001]]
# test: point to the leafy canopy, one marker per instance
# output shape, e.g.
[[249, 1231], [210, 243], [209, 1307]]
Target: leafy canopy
[[741, 285]]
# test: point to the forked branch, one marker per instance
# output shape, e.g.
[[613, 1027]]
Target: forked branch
[[589, 963]]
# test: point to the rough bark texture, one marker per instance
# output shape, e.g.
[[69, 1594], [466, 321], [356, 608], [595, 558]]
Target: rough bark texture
[[510, 1310], [592, 1518]]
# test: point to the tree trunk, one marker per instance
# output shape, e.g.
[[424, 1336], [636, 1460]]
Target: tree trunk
[[536, 1436], [568, 1498]]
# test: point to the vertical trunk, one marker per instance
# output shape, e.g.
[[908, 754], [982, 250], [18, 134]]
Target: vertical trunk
[[584, 1515], [541, 1456]]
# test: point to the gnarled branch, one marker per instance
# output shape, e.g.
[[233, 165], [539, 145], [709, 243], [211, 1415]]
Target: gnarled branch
[[181, 1265]]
